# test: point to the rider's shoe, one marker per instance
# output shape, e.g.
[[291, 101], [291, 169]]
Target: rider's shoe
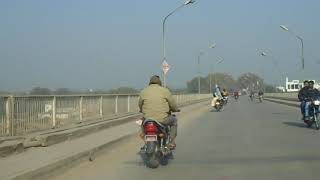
[[306, 119], [172, 146]]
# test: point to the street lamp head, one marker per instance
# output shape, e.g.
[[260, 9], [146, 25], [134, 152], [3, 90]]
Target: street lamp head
[[213, 45], [189, 2], [220, 60], [284, 28], [263, 54]]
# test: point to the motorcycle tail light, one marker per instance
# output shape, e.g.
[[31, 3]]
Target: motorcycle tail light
[[150, 128]]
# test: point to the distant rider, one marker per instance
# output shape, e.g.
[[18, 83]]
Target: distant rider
[[225, 93], [251, 95], [236, 94], [216, 96], [312, 94], [260, 93], [302, 96]]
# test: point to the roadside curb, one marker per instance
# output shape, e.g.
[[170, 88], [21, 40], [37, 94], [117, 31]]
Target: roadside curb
[[51, 137], [65, 163], [10, 147], [288, 103], [47, 139], [55, 138]]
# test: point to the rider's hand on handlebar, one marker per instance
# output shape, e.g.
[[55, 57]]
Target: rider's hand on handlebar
[[178, 110]]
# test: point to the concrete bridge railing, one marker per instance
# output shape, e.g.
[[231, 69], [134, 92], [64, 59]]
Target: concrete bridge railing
[[20, 115]]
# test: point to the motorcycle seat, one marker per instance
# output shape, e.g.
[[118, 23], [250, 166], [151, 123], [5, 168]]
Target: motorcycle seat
[[155, 121]]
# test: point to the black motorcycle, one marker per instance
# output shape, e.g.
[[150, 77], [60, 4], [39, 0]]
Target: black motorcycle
[[219, 104], [314, 114], [251, 97], [156, 149]]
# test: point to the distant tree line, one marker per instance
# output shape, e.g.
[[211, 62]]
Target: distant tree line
[[66, 91], [249, 81]]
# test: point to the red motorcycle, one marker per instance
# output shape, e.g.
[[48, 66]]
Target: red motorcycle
[[156, 150]]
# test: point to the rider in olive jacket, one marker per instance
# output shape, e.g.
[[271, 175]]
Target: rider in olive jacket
[[157, 103]]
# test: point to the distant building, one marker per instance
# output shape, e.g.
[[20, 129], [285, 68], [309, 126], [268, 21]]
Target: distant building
[[296, 85], [293, 86], [281, 88]]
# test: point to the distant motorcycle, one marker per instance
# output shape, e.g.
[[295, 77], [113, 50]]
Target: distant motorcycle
[[225, 100], [314, 114], [219, 104], [157, 139], [251, 97], [236, 96], [260, 98]]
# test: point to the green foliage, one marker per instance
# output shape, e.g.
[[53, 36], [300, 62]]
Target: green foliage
[[221, 79], [192, 85], [249, 81], [63, 91], [4, 93], [270, 89], [40, 91], [123, 90]]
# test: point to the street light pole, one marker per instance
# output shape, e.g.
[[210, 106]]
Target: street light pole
[[210, 78], [275, 63], [164, 51], [301, 41], [302, 51], [216, 63], [199, 73]]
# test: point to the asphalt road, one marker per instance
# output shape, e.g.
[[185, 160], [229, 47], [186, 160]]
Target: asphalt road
[[247, 140]]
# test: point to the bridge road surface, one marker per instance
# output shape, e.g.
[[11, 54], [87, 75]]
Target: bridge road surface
[[248, 140]]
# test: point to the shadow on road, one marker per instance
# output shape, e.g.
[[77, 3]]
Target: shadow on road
[[214, 110], [295, 124], [213, 161]]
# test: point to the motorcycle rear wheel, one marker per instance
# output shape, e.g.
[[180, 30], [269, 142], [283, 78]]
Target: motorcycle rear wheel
[[309, 123], [163, 160], [152, 161], [317, 126], [316, 122]]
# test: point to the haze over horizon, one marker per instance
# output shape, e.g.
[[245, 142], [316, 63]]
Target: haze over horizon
[[99, 44]]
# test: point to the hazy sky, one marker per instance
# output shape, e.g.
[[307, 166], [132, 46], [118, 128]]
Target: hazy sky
[[100, 44]]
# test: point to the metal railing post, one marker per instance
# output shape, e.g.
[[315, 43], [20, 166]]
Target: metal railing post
[[116, 105], [128, 103], [101, 106], [9, 116], [54, 123], [177, 99], [80, 109]]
